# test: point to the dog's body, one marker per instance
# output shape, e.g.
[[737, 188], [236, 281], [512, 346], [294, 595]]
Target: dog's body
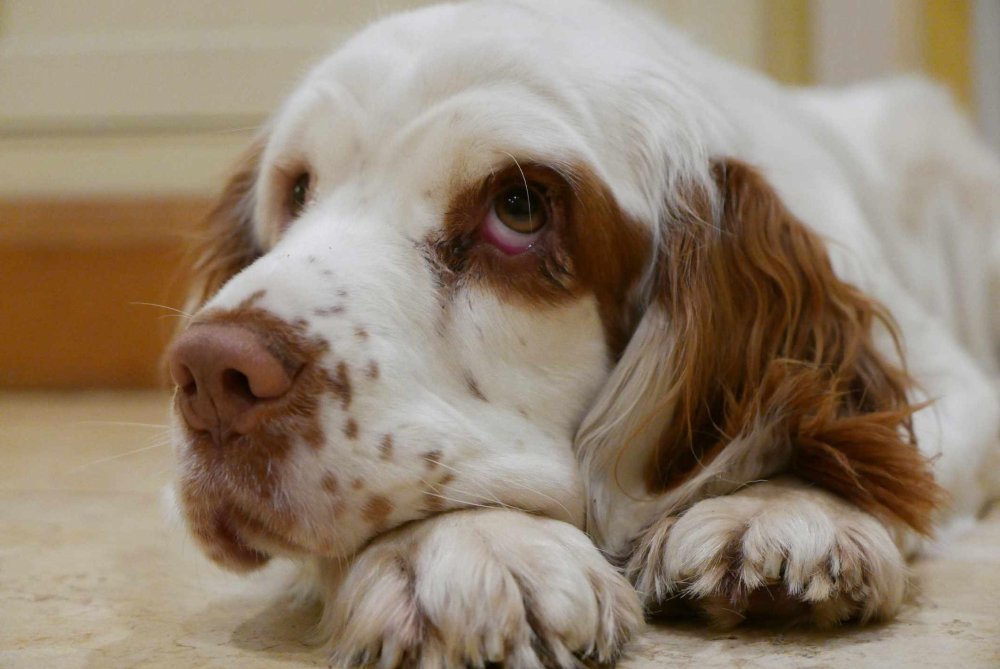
[[502, 272]]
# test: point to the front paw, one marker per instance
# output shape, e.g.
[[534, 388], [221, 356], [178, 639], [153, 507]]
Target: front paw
[[474, 588], [774, 550]]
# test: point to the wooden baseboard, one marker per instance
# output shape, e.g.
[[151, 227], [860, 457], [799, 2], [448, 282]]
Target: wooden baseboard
[[74, 275]]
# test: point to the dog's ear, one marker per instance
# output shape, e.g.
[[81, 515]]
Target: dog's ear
[[752, 358], [225, 242]]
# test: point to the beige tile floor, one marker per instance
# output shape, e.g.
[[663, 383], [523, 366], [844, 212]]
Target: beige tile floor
[[92, 575]]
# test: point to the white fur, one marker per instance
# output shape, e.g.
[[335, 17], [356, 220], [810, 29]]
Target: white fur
[[424, 103]]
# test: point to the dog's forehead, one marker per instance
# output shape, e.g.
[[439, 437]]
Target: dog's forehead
[[518, 78], [370, 93]]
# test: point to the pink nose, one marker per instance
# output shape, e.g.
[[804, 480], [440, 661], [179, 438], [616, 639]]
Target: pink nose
[[225, 373]]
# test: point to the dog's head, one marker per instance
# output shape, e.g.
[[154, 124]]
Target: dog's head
[[414, 286], [421, 277]]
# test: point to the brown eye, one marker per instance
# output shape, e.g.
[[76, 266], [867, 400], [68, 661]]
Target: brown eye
[[521, 209], [299, 195]]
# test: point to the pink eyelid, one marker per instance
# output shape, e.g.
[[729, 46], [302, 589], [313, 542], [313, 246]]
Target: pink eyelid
[[508, 241]]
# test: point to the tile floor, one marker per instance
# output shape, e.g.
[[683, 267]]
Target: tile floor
[[93, 575]]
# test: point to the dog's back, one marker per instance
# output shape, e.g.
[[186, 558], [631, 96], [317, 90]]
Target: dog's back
[[932, 189]]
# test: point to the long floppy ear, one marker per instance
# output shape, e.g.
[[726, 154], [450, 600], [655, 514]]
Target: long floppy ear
[[225, 242], [752, 359]]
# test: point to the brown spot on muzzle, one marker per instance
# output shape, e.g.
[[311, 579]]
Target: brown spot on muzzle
[[386, 447], [432, 458], [376, 511], [351, 429], [330, 483], [340, 385]]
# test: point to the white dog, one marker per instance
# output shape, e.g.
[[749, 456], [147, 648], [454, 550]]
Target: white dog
[[515, 303]]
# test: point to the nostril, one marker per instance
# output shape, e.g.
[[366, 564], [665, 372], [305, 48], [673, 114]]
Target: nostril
[[183, 378], [237, 385]]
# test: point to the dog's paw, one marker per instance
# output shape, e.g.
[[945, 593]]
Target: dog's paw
[[774, 550], [482, 588]]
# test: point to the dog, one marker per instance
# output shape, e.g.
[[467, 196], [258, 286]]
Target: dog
[[522, 320]]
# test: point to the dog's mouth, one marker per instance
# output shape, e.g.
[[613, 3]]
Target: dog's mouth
[[235, 539], [232, 545]]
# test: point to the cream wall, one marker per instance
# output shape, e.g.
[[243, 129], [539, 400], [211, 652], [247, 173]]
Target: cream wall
[[144, 97], [986, 31]]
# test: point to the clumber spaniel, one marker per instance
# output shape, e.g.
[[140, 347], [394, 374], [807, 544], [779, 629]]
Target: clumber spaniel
[[523, 317]]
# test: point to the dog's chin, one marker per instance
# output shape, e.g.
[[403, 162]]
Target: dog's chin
[[235, 541], [230, 548]]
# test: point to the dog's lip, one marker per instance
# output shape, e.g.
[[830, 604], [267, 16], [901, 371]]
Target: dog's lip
[[254, 535], [234, 544]]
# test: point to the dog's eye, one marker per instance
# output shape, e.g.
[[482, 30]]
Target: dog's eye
[[299, 195], [522, 209]]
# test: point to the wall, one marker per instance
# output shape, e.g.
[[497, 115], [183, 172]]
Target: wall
[[119, 118], [111, 96]]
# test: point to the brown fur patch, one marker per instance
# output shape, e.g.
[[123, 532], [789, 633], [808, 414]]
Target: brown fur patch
[[377, 509], [432, 458], [357, 484], [769, 339], [226, 244], [372, 371], [590, 247], [252, 300], [330, 483], [351, 428], [340, 385], [361, 333], [386, 447]]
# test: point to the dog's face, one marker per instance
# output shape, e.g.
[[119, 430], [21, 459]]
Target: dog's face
[[440, 275]]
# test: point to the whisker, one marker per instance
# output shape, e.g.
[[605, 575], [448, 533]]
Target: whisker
[[117, 423], [434, 487], [462, 502], [116, 457], [523, 179], [161, 306], [490, 497], [522, 486]]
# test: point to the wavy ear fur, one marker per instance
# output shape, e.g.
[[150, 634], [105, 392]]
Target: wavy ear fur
[[225, 244], [753, 358]]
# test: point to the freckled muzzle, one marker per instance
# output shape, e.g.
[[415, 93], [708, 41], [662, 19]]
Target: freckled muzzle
[[249, 392]]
